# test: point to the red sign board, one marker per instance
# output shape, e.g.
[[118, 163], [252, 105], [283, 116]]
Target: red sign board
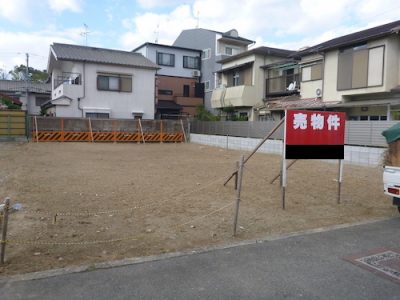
[[315, 127]]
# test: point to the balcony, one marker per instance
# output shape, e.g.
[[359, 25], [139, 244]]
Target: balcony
[[237, 96], [68, 85], [282, 86]]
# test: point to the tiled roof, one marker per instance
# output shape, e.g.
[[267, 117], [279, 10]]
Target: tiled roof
[[12, 99], [20, 86], [360, 36], [297, 103], [101, 55]]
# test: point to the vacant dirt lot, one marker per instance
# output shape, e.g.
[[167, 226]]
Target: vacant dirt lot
[[161, 198]]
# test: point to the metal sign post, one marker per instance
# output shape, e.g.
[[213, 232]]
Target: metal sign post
[[340, 177], [284, 170]]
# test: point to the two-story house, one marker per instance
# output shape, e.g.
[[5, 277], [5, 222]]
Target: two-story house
[[241, 81], [178, 88], [358, 73], [215, 46], [100, 83]]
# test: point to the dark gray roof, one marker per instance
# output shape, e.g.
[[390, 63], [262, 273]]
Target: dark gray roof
[[166, 46], [101, 55], [262, 51], [20, 86], [357, 37]]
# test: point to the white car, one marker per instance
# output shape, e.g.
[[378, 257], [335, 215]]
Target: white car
[[391, 184]]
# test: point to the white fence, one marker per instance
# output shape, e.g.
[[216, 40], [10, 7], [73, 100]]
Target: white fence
[[359, 133]]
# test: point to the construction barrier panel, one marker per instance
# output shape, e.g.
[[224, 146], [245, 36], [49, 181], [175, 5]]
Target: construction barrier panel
[[50, 129]]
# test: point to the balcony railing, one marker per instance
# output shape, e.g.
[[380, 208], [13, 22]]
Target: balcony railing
[[283, 85], [68, 78]]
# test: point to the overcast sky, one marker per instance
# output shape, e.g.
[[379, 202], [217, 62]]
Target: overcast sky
[[28, 26]]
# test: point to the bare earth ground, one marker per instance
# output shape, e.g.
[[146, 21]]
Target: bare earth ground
[[162, 198]]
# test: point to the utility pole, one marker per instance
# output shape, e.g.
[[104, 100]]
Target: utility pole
[[85, 33], [27, 80]]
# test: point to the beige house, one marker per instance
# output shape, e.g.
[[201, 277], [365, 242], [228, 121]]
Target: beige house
[[358, 73], [241, 82]]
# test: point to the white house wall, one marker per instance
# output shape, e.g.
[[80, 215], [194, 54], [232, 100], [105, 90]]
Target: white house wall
[[117, 104]]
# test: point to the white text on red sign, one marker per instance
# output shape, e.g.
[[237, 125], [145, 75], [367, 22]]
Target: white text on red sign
[[317, 121]]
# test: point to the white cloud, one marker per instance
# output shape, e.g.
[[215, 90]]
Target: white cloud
[[17, 11], [292, 23], [159, 3], [61, 5], [37, 44], [150, 26]]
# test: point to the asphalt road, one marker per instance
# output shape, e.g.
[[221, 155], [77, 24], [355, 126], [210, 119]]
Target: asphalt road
[[309, 266]]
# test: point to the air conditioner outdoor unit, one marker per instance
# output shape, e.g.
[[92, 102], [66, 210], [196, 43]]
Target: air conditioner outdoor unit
[[318, 93], [196, 73]]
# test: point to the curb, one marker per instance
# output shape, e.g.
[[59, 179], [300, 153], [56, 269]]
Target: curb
[[154, 258]]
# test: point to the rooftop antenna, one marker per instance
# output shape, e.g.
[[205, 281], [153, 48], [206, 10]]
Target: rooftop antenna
[[157, 32], [198, 19], [85, 33]]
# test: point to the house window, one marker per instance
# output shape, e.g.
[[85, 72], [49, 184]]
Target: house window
[[360, 67], [117, 83], [207, 85], [191, 62], [206, 54], [236, 79], [186, 90], [313, 72], [231, 50], [40, 100], [165, 92], [98, 115], [165, 59]]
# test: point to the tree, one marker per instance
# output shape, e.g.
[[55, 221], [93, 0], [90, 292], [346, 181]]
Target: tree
[[203, 114], [35, 75], [7, 101], [3, 74]]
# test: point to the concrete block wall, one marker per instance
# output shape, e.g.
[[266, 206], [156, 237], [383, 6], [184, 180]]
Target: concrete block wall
[[366, 156]]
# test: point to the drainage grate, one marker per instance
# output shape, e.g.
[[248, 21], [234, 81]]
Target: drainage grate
[[383, 262]]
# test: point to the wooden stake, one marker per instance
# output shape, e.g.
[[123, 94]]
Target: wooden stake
[[4, 230], [257, 147], [239, 189], [91, 131], [62, 129], [36, 130], [141, 131], [279, 175], [236, 175], [184, 133], [113, 131], [340, 176], [161, 131]]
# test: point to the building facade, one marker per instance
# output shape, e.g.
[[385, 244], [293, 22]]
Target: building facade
[[215, 46], [178, 88], [242, 82], [30, 95], [357, 73], [100, 83]]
